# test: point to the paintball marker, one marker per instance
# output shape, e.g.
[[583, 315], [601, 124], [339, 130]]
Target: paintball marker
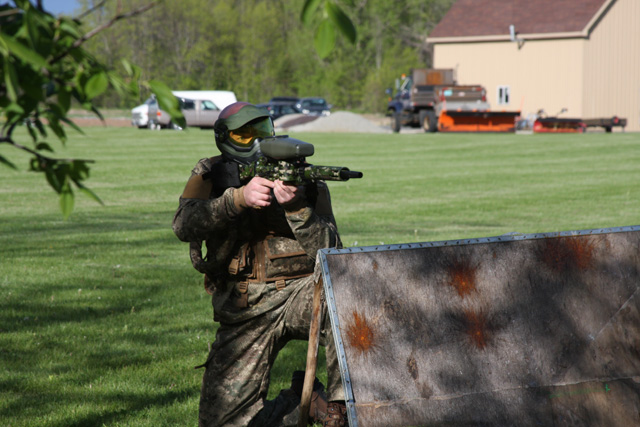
[[284, 158]]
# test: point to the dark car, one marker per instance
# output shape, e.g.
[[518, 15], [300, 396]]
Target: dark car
[[280, 108], [314, 106], [286, 99]]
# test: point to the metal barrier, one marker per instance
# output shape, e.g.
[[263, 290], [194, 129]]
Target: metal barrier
[[540, 329]]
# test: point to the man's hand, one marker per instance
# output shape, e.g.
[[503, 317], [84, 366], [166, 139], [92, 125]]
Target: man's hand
[[257, 193], [287, 194]]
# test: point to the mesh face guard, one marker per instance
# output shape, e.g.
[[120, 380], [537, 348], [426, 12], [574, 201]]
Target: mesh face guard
[[238, 127], [245, 136]]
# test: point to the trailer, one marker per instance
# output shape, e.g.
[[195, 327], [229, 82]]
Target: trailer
[[607, 123], [573, 125], [558, 125]]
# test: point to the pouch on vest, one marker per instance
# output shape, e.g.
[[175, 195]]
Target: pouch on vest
[[285, 258]]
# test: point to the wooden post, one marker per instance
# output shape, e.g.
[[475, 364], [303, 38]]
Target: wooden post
[[312, 355]]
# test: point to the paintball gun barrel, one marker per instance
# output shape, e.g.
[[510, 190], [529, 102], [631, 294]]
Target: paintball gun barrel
[[284, 158]]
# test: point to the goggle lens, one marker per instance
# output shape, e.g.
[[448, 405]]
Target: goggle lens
[[245, 135]]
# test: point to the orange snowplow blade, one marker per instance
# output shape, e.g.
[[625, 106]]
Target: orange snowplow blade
[[477, 121]]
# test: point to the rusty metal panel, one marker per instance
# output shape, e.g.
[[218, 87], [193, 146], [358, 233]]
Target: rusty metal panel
[[537, 329]]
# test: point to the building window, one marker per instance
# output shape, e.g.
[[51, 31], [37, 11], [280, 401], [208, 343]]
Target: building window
[[503, 95]]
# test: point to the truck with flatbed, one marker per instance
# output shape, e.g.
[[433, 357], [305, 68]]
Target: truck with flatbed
[[432, 99]]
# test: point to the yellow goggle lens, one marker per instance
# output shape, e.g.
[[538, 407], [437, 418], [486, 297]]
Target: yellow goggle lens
[[245, 135]]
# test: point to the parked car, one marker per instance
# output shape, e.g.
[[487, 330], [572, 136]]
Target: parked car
[[201, 113], [279, 108], [314, 106], [140, 114], [285, 99], [221, 98]]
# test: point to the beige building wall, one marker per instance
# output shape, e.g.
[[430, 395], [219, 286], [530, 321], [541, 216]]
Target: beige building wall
[[612, 65], [591, 77], [540, 74]]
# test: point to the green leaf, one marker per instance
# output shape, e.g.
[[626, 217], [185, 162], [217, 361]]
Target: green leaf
[[56, 109], [116, 82], [162, 91], [308, 10], [325, 39], [78, 170], [72, 124], [15, 108], [89, 193], [33, 29], [7, 163], [32, 131], [32, 84], [41, 128], [66, 200], [127, 67], [50, 174], [54, 124], [64, 98], [23, 52], [341, 21], [68, 28], [168, 102], [43, 146], [10, 80], [96, 85]]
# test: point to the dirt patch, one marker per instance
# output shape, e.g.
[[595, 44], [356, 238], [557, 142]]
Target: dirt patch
[[339, 121]]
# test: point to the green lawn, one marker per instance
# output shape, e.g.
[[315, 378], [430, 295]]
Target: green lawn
[[102, 317]]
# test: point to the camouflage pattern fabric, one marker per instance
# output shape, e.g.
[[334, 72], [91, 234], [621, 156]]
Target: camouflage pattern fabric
[[236, 378]]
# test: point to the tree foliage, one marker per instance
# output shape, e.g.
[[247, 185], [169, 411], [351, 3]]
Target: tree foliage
[[45, 70], [265, 48]]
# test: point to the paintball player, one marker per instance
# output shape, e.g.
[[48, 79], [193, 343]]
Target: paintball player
[[261, 238]]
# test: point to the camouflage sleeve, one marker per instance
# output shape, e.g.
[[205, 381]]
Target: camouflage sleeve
[[198, 219], [315, 227]]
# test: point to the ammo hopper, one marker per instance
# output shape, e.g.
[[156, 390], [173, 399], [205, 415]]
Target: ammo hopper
[[432, 99]]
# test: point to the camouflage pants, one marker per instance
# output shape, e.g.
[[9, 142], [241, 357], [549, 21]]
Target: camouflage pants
[[236, 379]]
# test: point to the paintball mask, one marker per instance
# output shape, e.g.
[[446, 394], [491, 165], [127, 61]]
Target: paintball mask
[[237, 129]]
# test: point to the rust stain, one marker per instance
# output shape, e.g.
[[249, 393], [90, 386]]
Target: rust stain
[[360, 335], [476, 328], [567, 253], [375, 266], [412, 366], [462, 276]]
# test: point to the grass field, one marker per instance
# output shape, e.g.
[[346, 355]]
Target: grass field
[[102, 317]]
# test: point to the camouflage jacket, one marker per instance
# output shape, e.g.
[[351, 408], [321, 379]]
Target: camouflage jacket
[[228, 230]]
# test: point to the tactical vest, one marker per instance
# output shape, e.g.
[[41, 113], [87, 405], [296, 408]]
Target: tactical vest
[[265, 250]]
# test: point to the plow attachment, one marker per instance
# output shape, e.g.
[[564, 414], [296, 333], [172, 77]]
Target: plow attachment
[[477, 121], [540, 329]]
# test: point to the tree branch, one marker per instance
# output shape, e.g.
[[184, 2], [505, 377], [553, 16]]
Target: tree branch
[[94, 8], [100, 28], [38, 155]]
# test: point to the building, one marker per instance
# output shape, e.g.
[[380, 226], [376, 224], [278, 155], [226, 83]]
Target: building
[[582, 56]]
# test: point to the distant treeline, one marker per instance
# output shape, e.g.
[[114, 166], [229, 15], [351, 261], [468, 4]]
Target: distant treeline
[[260, 48]]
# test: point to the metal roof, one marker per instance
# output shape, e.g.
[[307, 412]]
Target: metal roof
[[476, 20]]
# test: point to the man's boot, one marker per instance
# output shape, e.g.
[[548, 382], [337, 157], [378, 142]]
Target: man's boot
[[318, 407], [336, 415]]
